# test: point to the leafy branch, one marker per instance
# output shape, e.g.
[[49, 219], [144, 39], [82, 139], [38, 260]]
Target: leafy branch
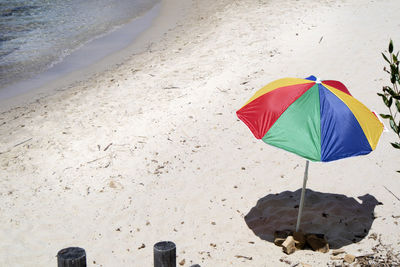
[[390, 94]]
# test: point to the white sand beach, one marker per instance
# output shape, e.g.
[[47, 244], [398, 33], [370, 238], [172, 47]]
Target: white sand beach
[[152, 150]]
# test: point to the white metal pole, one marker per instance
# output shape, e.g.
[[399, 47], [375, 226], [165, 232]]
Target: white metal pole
[[302, 196]]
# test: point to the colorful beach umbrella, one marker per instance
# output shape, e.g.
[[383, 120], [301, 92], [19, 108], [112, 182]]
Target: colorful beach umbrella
[[318, 120]]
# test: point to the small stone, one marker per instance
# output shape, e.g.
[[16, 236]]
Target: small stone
[[338, 251], [280, 236], [317, 242], [349, 258], [304, 265], [373, 236], [289, 245], [182, 262], [283, 259], [112, 184], [299, 240]]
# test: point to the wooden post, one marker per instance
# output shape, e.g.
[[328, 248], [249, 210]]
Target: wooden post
[[164, 254], [71, 257]]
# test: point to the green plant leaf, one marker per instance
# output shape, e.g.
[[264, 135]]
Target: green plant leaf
[[393, 79], [396, 145], [387, 60], [397, 105], [390, 46], [385, 116], [393, 69], [387, 89], [390, 101], [391, 92], [385, 100], [395, 58], [394, 126]]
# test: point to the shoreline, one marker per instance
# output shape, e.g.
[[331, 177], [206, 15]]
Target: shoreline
[[149, 28], [152, 150]]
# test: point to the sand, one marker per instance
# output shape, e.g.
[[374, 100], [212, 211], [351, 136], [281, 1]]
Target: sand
[[152, 150]]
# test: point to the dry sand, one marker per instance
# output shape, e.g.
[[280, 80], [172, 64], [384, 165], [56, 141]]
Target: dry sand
[[152, 149]]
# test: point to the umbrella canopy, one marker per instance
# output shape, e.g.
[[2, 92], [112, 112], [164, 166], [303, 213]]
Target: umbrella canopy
[[318, 120]]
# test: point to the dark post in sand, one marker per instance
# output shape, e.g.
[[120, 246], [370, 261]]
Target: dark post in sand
[[164, 254], [71, 257]]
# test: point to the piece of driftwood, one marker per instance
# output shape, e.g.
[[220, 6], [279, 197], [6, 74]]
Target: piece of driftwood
[[23, 142], [392, 193], [244, 257], [107, 146], [20, 143], [288, 246]]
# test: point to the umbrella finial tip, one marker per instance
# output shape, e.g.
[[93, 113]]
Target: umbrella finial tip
[[317, 80]]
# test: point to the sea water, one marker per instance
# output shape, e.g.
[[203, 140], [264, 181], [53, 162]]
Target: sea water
[[35, 35]]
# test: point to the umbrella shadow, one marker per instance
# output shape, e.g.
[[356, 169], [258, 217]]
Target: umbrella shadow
[[343, 220]]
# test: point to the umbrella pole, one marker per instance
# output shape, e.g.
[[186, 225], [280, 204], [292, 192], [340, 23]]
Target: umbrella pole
[[302, 196]]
